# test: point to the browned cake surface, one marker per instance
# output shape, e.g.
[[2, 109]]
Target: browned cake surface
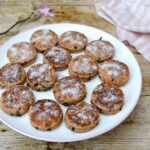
[[108, 98], [82, 117], [114, 72], [44, 39], [132, 134], [100, 50], [41, 77], [83, 67], [16, 100], [11, 74], [45, 114], [69, 90], [22, 53], [57, 57], [73, 41]]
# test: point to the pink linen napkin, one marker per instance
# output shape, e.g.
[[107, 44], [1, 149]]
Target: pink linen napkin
[[132, 19]]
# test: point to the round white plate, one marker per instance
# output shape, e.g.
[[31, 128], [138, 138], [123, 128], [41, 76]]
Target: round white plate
[[132, 89]]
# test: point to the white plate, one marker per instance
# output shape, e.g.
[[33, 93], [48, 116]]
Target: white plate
[[132, 89]]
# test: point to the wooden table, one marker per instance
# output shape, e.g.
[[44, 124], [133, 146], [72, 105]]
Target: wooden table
[[132, 134]]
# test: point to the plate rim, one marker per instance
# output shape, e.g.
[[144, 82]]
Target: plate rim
[[105, 130]]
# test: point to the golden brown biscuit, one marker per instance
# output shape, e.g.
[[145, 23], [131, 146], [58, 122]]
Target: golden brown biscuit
[[16, 100], [69, 90], [82, 117], [44, 39], [114, 72], [100, 50], [45, 114], [12, 74], [22, 53], [83, 67], [57, 57], [41, 77], [73, 41], [108, 98]]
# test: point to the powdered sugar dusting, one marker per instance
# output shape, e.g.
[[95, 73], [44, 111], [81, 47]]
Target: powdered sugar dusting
[[111, 65], [44, 37], [113, 68], [41, 73], [73, 39], [57, 54], [83, 116], [56, 113], [84, 65], [48, 104], [92, 49], [85, 112], [107, 94], [99, 46], [110, 97], [45, 31], [14, 51], [113, 72], [11, 73], [46, 110], [17, 97], [74, 91], [35, 107], [21, 51], [70, 87], [26, 94]]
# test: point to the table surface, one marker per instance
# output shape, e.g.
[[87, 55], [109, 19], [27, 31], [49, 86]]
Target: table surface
[[132, 134]]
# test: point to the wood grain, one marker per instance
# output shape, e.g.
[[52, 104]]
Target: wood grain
[[132, 134], [47, 2]]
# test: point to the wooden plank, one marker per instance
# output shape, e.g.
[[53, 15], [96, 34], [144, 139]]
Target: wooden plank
[[74, 14], [132, 134], [47, 2]]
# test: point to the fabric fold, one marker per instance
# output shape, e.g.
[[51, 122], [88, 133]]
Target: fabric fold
[[132, 19]]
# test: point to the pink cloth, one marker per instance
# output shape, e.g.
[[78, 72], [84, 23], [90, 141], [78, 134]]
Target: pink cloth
[[132, 19]]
